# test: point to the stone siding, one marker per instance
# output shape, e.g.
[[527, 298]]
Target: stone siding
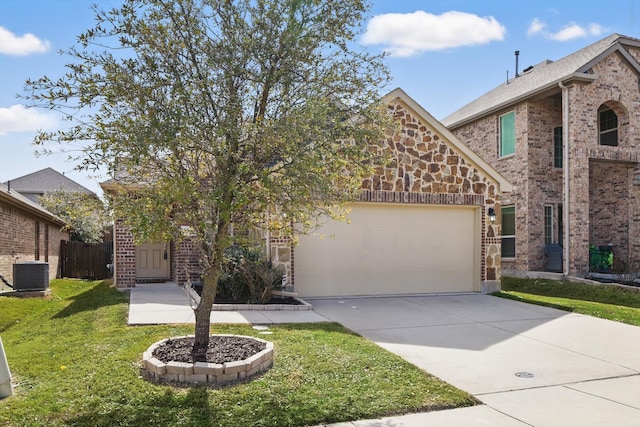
[[424, 168], [596, 172], [26, 237]]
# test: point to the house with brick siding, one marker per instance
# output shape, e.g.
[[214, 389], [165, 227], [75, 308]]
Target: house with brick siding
[[565, 133], [27, 233], [423, 223]]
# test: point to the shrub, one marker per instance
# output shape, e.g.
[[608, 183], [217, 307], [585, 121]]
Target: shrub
[[248, 276]]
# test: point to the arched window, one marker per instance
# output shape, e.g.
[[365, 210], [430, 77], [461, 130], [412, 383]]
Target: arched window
[[607, 126]]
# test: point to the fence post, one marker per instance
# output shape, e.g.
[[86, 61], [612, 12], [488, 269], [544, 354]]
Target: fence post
[[6, 389]]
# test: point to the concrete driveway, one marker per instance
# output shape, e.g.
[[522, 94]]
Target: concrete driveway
[[530, 365]]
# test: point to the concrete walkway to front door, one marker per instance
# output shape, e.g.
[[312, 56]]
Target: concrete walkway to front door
[[158, 303], [530, 365]]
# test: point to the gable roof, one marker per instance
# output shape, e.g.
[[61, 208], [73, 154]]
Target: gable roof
[[16, 199], [468, 153], [544, 77], [44, 181]]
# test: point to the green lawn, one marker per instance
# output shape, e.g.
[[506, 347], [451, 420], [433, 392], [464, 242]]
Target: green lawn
[[76, 362], [607, 302]]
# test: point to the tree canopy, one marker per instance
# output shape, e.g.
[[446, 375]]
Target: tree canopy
[[86, 215], [251, 113]]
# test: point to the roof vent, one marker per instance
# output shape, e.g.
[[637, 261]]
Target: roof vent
[[517, 53]]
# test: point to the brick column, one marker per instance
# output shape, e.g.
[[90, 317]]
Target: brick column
[[579, 216], [124, 257]]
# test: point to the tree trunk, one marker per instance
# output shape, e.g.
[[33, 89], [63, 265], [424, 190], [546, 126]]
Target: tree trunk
[[203, 314]]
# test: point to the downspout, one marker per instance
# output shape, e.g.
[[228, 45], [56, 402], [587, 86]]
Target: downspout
[[565, 176]]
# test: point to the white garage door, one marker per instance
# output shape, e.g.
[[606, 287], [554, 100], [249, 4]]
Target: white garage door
[[391, 249]]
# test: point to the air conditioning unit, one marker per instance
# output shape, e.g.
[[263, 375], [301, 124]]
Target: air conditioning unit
[[31, 276]]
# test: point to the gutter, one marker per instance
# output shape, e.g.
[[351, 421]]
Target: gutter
[[39, 212], [565, 176], [579, 77]]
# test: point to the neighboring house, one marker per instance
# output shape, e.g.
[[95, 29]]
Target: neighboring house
[[27, 233], [565, 134], [36, 184], [421, 225]]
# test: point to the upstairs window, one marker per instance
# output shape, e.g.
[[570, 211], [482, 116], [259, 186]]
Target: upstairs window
[[557, 147], [507, 134], [607, 126]]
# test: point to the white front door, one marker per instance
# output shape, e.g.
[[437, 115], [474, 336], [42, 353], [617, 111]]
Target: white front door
[[152, 261]]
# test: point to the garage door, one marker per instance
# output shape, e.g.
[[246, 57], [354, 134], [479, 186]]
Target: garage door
[[391, 249]]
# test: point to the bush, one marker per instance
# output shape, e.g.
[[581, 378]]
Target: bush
[[247, 276]]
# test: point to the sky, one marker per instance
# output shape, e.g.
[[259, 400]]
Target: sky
[[444, 54]]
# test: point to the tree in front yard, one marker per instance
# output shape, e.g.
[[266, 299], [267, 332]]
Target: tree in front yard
[[219, 117]]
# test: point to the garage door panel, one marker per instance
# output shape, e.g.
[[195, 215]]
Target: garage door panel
[[391, 249]]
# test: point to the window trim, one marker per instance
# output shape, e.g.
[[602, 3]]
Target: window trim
[[603, 109], [549, 225], [558, 152], [501, 153], [508, 236], [36, 237]]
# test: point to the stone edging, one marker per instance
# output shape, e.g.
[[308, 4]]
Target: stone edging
[[203, 372], [303, 306]]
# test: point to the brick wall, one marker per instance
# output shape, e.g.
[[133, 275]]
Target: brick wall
[[424, 169], [18, 240], [609, 206], [185, 262], [482, 136], [124, 256], [595, 172]]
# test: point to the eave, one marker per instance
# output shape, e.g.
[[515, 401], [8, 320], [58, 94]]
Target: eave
[[539, 92]]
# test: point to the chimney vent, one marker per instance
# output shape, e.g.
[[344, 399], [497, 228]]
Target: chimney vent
[[517, 53]]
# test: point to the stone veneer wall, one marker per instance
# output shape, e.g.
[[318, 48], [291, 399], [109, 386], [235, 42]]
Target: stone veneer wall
[[282, 255], [537, 183], [425, 169]]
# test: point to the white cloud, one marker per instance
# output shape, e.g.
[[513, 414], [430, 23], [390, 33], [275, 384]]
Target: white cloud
[[536, 27], [406, 34], [10, 44], [596, 29], [570, 32], [18, 118]]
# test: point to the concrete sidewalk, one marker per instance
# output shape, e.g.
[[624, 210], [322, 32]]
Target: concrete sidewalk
[[529, 365]]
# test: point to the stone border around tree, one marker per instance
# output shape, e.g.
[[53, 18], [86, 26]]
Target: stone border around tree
[[303, 306], [206, 373]]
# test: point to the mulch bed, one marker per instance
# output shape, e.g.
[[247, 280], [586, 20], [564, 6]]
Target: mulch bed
[[273, 300], [221, 349]]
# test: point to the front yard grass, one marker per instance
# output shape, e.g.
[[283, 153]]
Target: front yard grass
[[607, 302], [75, 362]]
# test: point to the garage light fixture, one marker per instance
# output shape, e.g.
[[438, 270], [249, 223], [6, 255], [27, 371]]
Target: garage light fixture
[[492, 215]]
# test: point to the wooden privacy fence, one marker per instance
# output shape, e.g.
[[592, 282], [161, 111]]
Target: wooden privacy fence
[[86, 260]]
